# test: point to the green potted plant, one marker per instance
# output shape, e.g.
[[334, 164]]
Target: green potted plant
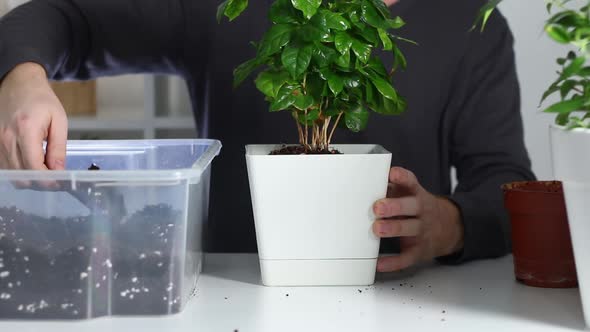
[[312, 201], [569, 23]]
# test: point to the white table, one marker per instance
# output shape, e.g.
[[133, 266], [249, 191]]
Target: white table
[[475, 297]]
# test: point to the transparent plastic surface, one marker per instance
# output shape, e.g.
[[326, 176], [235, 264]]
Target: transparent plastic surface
[[121, 240]]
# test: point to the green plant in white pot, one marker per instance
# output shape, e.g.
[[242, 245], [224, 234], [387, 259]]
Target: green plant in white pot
[[317, 61], [569, 24]]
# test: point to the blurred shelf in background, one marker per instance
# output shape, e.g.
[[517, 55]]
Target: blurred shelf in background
[[134, 106]]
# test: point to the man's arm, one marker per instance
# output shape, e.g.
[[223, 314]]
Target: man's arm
[[81, 39], [487, 141], [75, 39]]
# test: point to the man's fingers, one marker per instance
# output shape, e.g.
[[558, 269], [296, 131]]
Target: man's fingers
[[402, 177], [396, 207], [14, 160], [397, 228], [30, 144], [56, 142], [406, 259], [4, 161]]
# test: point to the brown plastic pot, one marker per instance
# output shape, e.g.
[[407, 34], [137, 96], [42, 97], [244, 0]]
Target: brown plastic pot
[[541, 242]]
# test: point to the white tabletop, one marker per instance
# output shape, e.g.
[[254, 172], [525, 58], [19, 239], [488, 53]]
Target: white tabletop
[[478, 296]]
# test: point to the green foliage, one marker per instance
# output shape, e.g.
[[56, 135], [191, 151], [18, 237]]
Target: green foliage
[[484, 14], [569, 24], [318, 62]]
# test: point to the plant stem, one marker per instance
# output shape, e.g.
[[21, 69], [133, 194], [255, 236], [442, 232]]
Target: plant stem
[[334, 127], [306, 132], [316, 134], [299, 128], [325, 133]]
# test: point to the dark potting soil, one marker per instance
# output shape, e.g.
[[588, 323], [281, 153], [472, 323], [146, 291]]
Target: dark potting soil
[[299, 149], [73, 268]]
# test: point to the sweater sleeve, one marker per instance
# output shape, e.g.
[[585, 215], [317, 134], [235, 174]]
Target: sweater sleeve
[[83, 39]]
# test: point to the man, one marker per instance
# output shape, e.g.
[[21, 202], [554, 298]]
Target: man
[[461, 88]]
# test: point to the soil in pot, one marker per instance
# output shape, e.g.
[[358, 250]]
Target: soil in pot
[[54, 268], [541, 243], [299, 149]]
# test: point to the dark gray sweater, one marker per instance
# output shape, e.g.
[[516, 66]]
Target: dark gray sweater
[[461, 88]]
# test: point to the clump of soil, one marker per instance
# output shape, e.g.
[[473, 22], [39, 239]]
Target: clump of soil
[[299, 149], [72, 268]]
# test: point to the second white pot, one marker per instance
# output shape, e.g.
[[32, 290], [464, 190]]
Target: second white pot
[[571, 165]]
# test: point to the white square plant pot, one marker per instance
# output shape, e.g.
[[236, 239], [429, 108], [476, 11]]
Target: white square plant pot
[[314, 216], [571, 165]]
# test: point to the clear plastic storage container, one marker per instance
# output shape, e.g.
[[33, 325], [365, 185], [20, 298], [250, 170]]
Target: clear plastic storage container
[[121, 240]]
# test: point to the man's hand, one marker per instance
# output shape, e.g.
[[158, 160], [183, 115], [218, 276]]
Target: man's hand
[[428, 226], [31, 113]]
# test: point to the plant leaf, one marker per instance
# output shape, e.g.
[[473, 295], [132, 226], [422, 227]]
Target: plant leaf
[[569, 18], [335, 21], [356, 119], [315, 86], [296, 59], [376, 66], [308, 7], [562, 118], [372, 16], [403, 39], [567, 87], [396, 23], [361, 50], [231, 9], [369, 34], [285, 98], [303, 102], [399, 60], [484, 14], [584, 72], [343, 42], [324, 55], [354, 17], [370, 93], [385, 40], [382, 8], [390, 107], [221, 10], [352, 81], [576, 122], [335, 81], [573, 67], [315, 29], [558, 33], [383, 86], [270, 83], [332, 110], [552, 89], [277, 36], [310, 117], [386, 106], [282, 11], [343, 61], [244, 70], [566, 106]]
